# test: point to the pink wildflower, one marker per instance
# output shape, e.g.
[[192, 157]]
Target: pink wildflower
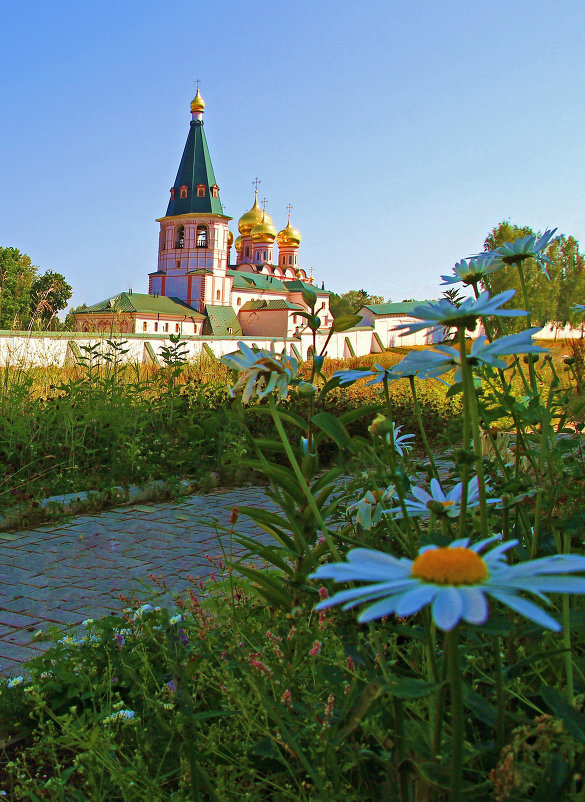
[[316, 648], [286, 699]]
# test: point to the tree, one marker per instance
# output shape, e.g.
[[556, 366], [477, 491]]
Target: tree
[[27, 298], [17, 275], [49, 295], [551, 299], [351, 302]]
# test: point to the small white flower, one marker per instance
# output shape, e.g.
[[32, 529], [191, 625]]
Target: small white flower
[[88, 621], [12, 683], [370, 509], [424, 503], [175, 619]]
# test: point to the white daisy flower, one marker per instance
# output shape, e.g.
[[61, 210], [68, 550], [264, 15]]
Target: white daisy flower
[[455, 582], [262, 372], [424, 503]]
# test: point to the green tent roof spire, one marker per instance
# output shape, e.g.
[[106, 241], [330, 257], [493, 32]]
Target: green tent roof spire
[[195, 190]]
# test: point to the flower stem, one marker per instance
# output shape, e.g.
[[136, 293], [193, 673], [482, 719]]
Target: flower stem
[[567, 630], [454, 673], [500, 706], [421, 427]]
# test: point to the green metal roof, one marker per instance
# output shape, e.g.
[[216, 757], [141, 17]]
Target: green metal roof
[[220, 319], [144, 303], [269, 305], [296, 285], [260, 281], [393, 309], [195, 168]]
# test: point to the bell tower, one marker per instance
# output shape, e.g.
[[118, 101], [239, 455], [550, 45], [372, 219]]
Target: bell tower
[[193, 239]]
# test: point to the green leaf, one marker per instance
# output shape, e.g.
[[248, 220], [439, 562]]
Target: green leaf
[[334, 429], [345, 322], [553, 782], [573, 721], [369, 694], [408, 688], [479, 707], [309, 297], [270, 589]]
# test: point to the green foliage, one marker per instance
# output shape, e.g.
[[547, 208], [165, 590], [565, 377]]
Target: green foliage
[[351, 302], [28, 299], [550, 299]]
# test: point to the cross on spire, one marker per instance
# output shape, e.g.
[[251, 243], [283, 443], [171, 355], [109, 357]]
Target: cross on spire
[[198, 81], [264, 202], [290, 208], [256, 182]]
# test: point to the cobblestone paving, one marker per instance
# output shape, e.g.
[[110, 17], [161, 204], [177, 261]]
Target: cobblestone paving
[[63, 574]]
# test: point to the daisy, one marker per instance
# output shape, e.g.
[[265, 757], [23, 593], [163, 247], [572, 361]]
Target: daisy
[[436, 502], [262, 372], [471, 271], [370, 509], [382, 427], [443, 314], [455, 581], [434, 363], [512, 253]]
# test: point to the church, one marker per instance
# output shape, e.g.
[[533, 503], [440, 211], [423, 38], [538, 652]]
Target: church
[[196, 288]]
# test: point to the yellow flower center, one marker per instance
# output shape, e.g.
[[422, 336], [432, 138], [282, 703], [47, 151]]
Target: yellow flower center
[[450, 566]]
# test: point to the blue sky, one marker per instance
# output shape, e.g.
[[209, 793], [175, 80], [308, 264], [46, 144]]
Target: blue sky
[[401, 131]]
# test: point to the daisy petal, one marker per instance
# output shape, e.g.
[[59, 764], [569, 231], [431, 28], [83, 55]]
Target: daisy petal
[[447, 608]]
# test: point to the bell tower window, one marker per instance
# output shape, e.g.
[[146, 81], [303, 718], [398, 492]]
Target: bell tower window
[[215, 191], [180, 237], [201, 190], [173, 193], [183, 190], [201, 237]]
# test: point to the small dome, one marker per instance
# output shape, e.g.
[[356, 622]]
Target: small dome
[[230, 239], [238, 243], [197, 104], [289, 237], [264, 231], [252, 218]]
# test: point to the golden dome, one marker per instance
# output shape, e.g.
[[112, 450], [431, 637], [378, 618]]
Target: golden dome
[[289, 237], [197, 104], [252, 218], [230, 239], [264, 231], [238, 243]]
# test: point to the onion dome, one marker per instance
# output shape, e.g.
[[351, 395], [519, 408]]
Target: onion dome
[[197, 104], [238, 243], [230, 239], [264, 231], [289, 237], [252, 218]]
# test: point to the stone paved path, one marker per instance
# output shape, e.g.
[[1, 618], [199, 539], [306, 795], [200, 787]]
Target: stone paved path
[[63, 574]]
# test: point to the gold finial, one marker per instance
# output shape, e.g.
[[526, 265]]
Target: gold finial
[[197, 104]]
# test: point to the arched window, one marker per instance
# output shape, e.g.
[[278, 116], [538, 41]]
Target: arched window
[[183, 190], [173, 193], [247, 251], [201, 188], [215, 191], [166, 326], [238, 302], [156, 326], [218, 295], [144, 326], [201, 240], [180, 237]]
